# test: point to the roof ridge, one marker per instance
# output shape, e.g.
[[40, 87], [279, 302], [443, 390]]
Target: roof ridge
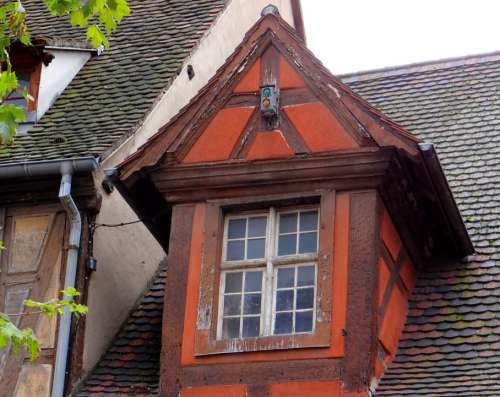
[[419, 67]]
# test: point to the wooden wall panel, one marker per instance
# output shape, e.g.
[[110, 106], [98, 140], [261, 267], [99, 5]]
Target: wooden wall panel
[[38, 232], [362, 289]]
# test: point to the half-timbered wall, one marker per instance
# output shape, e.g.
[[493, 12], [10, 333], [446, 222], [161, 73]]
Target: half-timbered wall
[[396, 280], [31, 267], [343, 366]]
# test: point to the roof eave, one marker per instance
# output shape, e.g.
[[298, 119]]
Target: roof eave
[[431, 161]]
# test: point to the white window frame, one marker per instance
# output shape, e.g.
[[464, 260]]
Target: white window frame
[[268, 265]]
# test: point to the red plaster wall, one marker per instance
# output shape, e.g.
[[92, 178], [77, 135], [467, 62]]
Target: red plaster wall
[[390, 236], [289, 77], [215, 391], [217, 141], [269, 145], [383, 279], [306, 389], [394, 321], [251, 81], [339, 298], [395, 313], [319, 129]]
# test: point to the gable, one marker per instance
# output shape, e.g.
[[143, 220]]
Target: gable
[[305, 123]]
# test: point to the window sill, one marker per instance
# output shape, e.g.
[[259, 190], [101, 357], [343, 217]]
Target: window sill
[[207, 346]]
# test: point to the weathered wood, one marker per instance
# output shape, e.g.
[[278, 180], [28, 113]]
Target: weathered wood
[[297, 96], [175, 298], [394, 279], [292, 136], [259, 373], [361, 321], [36, 285]]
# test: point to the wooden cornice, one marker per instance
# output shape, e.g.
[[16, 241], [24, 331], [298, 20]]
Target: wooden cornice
[[341, 170]]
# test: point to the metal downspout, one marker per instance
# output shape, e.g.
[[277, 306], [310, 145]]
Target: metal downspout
[[69, 280]]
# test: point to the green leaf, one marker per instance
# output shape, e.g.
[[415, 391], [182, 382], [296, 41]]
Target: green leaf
[[27, 97], [106, 18], [96, 37], [71, 292], [8, 83], [18, 338], [10, 115], [78, 19], [31, 344]]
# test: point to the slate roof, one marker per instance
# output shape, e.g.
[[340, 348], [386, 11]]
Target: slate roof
[[131, 365], [112, 93], [451, 342]]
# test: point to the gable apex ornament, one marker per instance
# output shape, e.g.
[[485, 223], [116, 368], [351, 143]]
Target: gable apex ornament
[[270, 9]]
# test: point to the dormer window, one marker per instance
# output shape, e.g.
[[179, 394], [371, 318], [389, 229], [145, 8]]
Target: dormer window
[[28, 79], [268, 279]]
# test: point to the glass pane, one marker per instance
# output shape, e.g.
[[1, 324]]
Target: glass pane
[[233, 282], [308, 243], [251, 304], [284, 300], [305, 275], [309, 221], [231, 328], [235, 250], [232, 305], [305, 298], [303, 321], [253, 281], [288, 223], [257, 227], [251, 326], [287, 244], [283, 323], [18, 102], [236, 228], [286, 277], [256, 248]]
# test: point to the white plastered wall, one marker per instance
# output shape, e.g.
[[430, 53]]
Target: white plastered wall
[[128, 256], [57, 75]]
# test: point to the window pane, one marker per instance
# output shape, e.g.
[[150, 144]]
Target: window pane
[[303, 321], [286, 277], [283, 323], [288, 223], [231, 328], [256, 248], [233, 282], [257, 227], [305, 298], [284, 300], [287, 244], [309, 221], [236, 228], [251, 326], [253, 281], [232, 305], [305, 275], [308, 243], [235, 250], [251, 304], [18, 102]]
